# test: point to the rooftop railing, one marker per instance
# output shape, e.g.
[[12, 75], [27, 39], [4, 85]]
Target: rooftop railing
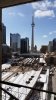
[[49, 95]]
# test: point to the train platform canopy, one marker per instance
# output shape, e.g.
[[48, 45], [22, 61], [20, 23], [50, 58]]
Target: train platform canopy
[[42, 60], [42, 78], [8, 3], [6, 66], [23, 79]]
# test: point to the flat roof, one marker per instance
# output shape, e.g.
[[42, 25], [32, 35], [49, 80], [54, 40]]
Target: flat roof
[[22, 79]]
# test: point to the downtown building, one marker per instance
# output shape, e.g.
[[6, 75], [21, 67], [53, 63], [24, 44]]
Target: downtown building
[[3, 34], [43, 48], [24, 45], [6, 51], [54, 44], [15, 42], [50, 46]]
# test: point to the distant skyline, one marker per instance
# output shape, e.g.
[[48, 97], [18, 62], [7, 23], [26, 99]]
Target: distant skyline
[[18, 19]]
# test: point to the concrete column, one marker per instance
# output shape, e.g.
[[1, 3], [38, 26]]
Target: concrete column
[[0, 48]]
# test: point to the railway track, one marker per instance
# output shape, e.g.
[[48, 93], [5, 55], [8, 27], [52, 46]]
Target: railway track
[[11, 75]]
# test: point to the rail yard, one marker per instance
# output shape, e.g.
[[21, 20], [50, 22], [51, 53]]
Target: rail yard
[[31, 72]]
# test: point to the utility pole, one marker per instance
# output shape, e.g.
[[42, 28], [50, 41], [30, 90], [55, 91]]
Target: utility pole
[[0, 51]]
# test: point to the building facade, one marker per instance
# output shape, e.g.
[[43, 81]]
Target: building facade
[[15, 42], [50, 46], [3, 34], [6, 53], [54, 44], [25, 45], [44, 49]]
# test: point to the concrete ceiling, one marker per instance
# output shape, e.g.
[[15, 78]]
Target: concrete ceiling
[[8, 3]]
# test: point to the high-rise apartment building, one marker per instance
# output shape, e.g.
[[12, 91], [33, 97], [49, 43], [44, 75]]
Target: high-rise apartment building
[[3, 34], [25, 45], [52, 45], [15, 42]]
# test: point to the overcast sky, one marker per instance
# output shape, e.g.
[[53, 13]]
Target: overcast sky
[[18, 19]]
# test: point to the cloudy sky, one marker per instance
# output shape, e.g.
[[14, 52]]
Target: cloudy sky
[[18, 19]]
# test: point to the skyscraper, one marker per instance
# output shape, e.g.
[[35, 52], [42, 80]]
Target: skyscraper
[[50, 46], [25, 45], [3, 34], [32, 40], [54, 44], [15, 42]]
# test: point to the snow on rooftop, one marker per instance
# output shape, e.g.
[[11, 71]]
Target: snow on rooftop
[[21, 79], [42, 60], [18, 79], [31, 84], [6, 66], [42, 78], [45, 85], [22, 93]]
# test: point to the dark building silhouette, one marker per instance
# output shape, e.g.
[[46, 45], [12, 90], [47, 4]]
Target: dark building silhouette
[[44, 49], [6, 53], [3, 34], [25, 45], [50, 46], [54, 44], [35, 49], [15, 42]]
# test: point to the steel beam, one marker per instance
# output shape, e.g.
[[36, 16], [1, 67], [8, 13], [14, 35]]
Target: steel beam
[[8, 3]]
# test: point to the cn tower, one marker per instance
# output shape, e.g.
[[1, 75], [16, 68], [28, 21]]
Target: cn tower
[[32, 38]]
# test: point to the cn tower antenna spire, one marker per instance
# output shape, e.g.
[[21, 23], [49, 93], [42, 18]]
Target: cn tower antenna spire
[[32, 40]]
